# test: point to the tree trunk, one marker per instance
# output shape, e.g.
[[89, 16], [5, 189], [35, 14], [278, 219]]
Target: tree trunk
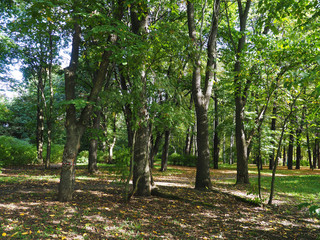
[[284, 160], [309, 148], [75, 128], [141, 168], [231, 148], [273, 128], [71, 148], [240, 99], [203, 164], [241, 146], [290, 150], [40, 117], [93, 149], [165, 151], [187, 142], [114, 139], [224, 149], [216, 139], [201, 95], [50, 108], [155, 148], [298, 149], [317, 150]]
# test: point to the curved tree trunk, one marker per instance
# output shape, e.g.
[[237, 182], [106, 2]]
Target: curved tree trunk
[[76, 126], [202, 92]]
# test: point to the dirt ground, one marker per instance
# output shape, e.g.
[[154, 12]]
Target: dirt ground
[[29, 210]]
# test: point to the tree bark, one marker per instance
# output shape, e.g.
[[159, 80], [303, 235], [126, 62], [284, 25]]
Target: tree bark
[[273, 128], [165, 151], [309, 147], [76, 127], [141, 171], [216, 139], [155, 148], [201, 95], [40, 116], [50, 108], [93, 149], [240, 99], [290, 150], [284, 160]]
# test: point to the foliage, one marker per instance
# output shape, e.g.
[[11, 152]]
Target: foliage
[[83, 157], [314, 209], [121, 166], [182, 160], [16, 152], [56, 152]]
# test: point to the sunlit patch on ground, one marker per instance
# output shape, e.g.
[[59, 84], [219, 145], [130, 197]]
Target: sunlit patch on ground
[[29, 210]]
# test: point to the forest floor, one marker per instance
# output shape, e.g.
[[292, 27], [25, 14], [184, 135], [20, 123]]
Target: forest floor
[[29, 209]]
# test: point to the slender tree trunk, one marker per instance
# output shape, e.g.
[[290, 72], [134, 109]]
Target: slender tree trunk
[[259, 162], [278, 151], [114, 138], [165, 151], [317, 150], [216, 139], [187, 142], [224, 149], [290, 150], [240, 99], [273, 128], [231, 148], [298, 149], [155, 148], [93, 149], [50, 108], [40, 117], [309, 147], [284, 161]]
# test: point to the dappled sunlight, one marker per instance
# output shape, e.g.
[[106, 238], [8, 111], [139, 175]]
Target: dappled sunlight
[[98, 211]]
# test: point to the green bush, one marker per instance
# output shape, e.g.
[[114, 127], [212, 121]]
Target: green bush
[[83, 157], [56, 153], [182, 160], [121, 162], [16, 152]]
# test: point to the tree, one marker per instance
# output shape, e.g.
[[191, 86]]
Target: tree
[[75, 126], [141, 167], [201, 95]]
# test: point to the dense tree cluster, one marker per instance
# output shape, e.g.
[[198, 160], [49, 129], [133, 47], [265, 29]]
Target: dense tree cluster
[[226, 81]]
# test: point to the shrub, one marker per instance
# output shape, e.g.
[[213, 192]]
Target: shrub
[[56, 153], [14, 151], [182, 160], [121, 162], [83, 157]]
